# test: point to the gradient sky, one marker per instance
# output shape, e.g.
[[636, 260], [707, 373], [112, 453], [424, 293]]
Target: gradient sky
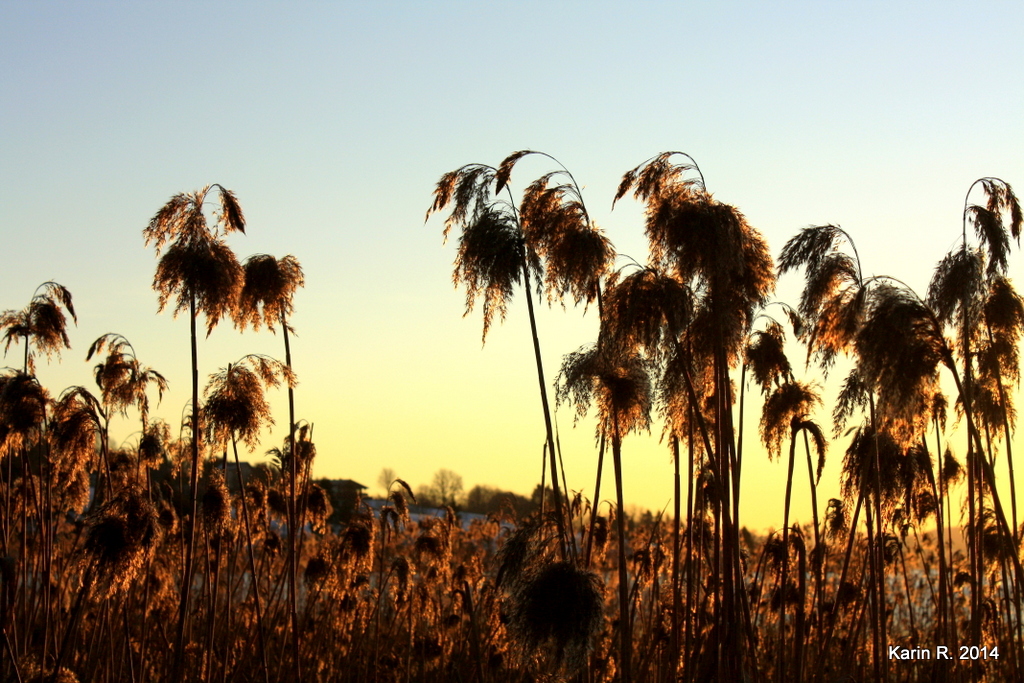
[[332, 122]]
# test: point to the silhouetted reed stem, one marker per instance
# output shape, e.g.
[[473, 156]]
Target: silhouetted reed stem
[[985, 470], [818, 571], [625, 632], [597, 502], [798, 631], [293, 555], [13, 658], [910, 599], [563, 540], [252, 566], [691, 562], [943, 616], [178, 655], [851, 537], [677, 604], [784, 576], [570, 534], [76, 615], [211, 620]]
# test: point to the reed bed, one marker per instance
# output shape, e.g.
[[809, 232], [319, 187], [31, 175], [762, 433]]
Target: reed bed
[[384, 598], [167, 560]]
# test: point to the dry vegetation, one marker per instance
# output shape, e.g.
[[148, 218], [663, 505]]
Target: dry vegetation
[[158, 562]]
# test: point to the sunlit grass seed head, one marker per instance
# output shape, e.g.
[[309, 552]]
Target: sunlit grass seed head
[[429, 550], [898, 468], [703, 527], [600, 533], [998, 546], [256, 491], [577, 260], [835, 294], [765, 357], [319, 507], [646, 563], [560, 606], [400, 505], [433, 549], [304, 449], [556, 225], [236, 406], [269, 287], [216, 502], [122, 535], [703, 241], [23, 406], [389, 517], [708, 500], [122, 467], [123, 381], [836, 521], [924, 504], [154, 445], [167, 517], [277, 502], [41, 324], [775, 551], [357, 540], [904, 375], [489, 263], [400, 568], [178, 450], [951, 471], [521, 550], [71, 490], [198, 263], [207, 269], [318, 568], [616, 380], [74, 426], [182, 217]]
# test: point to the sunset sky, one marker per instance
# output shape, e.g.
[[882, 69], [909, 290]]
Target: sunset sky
[[333, 121]]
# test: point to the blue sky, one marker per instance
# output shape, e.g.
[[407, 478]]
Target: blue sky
[[332, 122]]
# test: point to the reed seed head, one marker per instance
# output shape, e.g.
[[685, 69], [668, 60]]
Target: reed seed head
[[560, 606]]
